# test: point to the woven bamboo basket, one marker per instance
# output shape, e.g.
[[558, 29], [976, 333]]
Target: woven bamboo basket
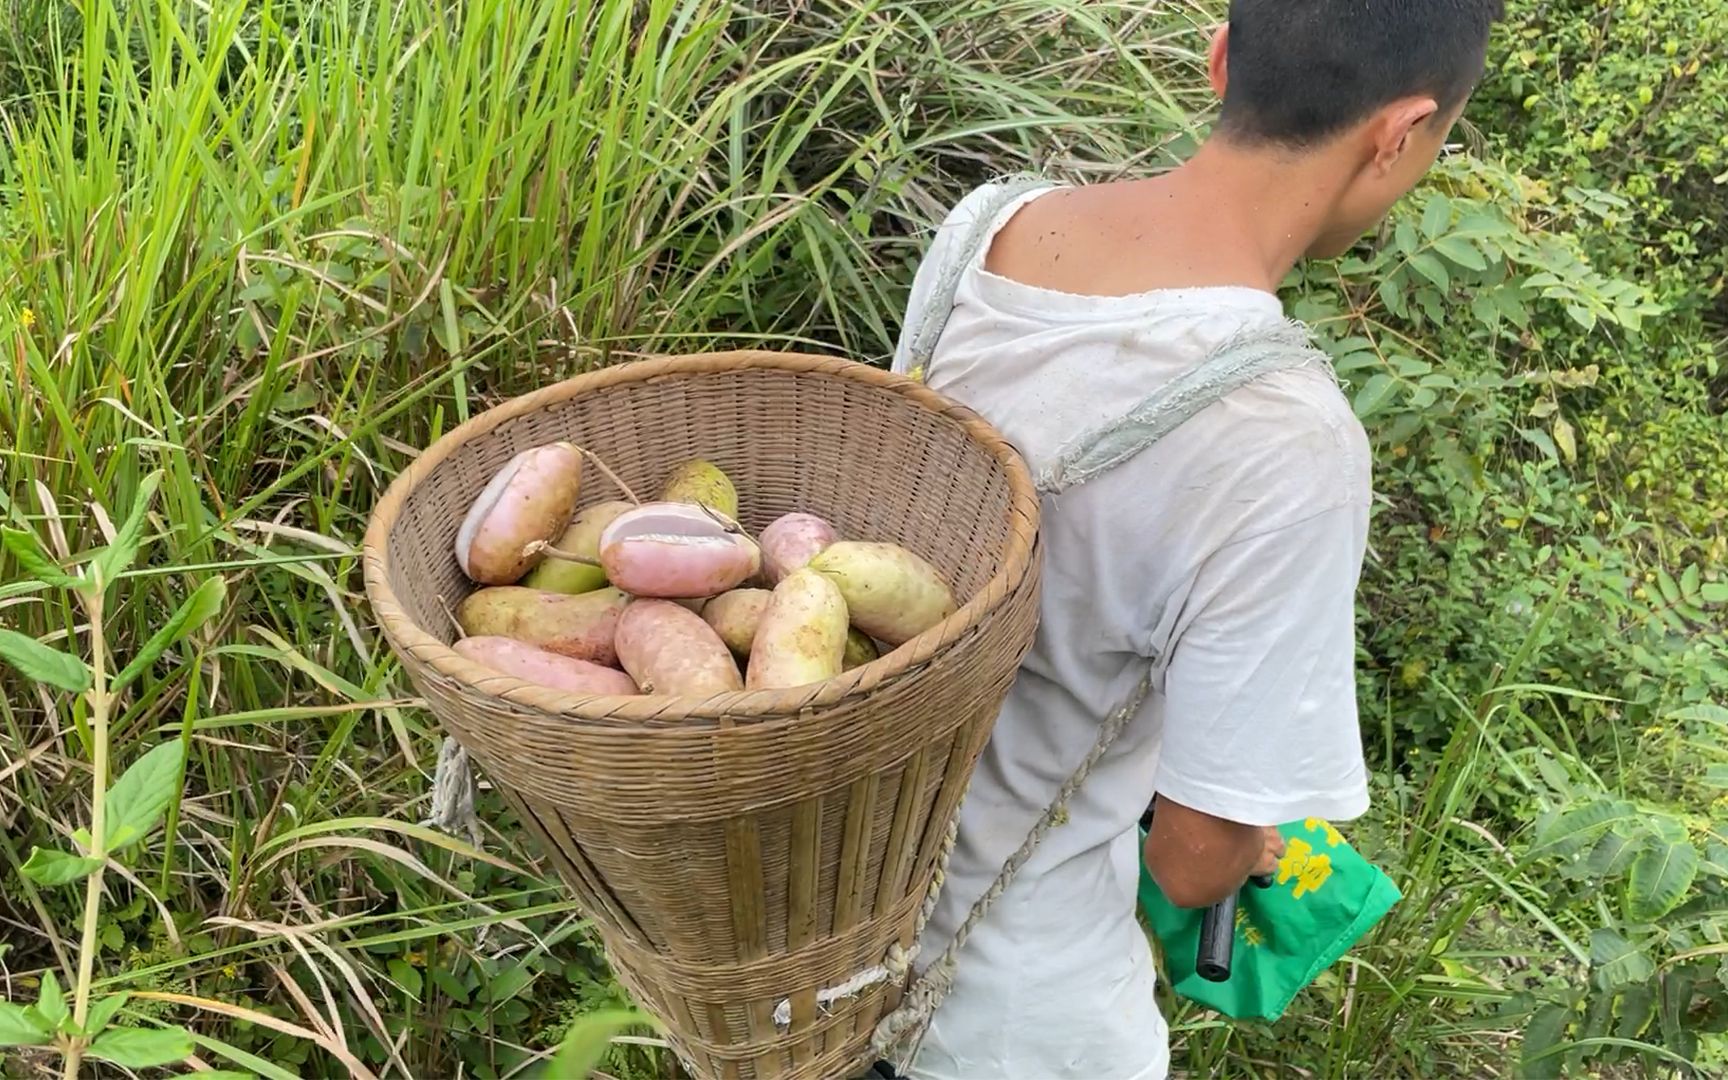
[[751, 848]]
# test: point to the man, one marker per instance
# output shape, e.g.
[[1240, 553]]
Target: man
[[1223, 557]]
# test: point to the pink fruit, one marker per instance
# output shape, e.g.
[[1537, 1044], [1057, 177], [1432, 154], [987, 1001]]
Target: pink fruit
[[536, 665], [791, 541], [676, 551], [670, 650], [531, 498]]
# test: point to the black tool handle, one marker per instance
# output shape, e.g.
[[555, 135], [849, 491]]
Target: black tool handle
[[1218, 935], [1217, 940]]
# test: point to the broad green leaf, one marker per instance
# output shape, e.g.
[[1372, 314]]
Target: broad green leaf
[[1689, 581], [1613, 853], [18, 1028], [51, 1003], [1430, 267], [407, 977], [1666, 584], [1715, 861], [118, 556], [139, 798], [1507, 300], [43, 663], [1714, 593], [47, 867], [102, 1012], [1661, 876], [1404, 239], [1542, 1035], [587, 1040], [1436, 216], [143, 1048], [1618, 962], [196, 610], [1462, 252], [23, 547], [1374, 394], [1392, 296], [1542, 441], [1573, 829], [1716, 776]]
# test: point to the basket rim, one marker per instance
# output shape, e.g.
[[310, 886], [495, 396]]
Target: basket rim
[[410, 638]]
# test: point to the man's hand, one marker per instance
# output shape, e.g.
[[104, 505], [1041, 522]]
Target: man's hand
[[1268, 864], [1198, 860]]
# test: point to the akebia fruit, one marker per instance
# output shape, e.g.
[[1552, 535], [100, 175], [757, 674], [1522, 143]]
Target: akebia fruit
[[676, 551], [582, 538], [527, 501], [668, 649], [891, 594], [802, 636], [702, 483], [860, 650], [791, 541], [533, 664], [735, 615], [580, 626]]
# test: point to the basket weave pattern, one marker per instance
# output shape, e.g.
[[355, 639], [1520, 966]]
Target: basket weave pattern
[[746, 848]]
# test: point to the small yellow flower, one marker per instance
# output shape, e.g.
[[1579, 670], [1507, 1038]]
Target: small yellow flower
[[28, 318]]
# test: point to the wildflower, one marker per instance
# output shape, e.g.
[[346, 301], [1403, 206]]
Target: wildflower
[[28, 318]]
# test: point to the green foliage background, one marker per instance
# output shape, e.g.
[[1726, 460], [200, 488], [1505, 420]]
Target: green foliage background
[[269, 249]]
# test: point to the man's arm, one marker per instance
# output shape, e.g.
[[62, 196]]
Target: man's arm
[[1198, 860]]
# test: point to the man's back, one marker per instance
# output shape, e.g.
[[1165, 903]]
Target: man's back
[[1190, 541]]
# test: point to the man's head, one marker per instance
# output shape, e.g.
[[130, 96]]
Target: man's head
[[1375, 84]]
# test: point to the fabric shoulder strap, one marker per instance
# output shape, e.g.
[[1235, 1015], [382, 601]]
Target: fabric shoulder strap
[[933, 315]]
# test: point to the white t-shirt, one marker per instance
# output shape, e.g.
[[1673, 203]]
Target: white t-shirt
[[1239, 538]]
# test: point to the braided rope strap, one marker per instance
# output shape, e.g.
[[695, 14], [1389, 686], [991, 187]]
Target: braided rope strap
[[926, 995]]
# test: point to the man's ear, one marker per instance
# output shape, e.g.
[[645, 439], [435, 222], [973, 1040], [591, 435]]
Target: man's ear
[[1391, 130], [1218, 59]]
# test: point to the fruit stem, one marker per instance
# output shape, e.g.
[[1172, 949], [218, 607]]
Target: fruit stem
[[542, 547], [610, 475]]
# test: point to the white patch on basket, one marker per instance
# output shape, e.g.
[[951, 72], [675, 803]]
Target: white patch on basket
[[896, 966]]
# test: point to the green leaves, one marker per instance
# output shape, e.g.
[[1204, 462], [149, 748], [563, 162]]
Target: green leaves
[[1618, 962], [122, 551], [133, 807], [1374, 394], [22, 546], [43, 664], [586, 1041], [142, 1048], [19, 1028], [49, 867], [1660, 877], [138, 799], [203, 605], [103, 1011]]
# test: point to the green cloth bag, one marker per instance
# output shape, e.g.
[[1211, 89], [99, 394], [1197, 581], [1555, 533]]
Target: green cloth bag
[[1323, 899]]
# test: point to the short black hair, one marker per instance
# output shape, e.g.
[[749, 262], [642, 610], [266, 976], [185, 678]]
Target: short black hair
[[1304, 70]]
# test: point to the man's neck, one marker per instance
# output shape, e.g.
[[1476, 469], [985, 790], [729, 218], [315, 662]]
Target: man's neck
[[1267, 205]]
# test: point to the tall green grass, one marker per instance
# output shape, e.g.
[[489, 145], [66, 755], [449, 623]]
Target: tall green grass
[[271, 249]]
